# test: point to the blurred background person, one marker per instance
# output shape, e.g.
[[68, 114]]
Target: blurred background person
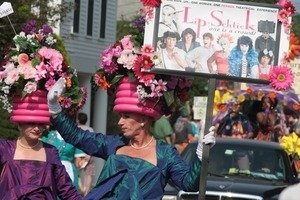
[[163, 129], [183, 129], [222, 96], [87, 166], [235, 124], [268, 120], [69, 155], [241, 163]]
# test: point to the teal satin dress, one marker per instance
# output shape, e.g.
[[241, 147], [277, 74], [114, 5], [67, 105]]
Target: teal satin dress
[[67, 153], [124, 177]]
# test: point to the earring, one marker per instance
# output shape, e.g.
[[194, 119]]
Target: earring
[[142, 124]]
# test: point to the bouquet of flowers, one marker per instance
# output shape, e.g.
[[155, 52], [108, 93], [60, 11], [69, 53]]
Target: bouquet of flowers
[[35, 62], [129, 57]]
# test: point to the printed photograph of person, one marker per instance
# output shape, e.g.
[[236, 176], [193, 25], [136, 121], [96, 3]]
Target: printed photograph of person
[[265, 41], [218, 62], [188, 40], [197, 58], [172, 57], [169, 20], [242, 58], [263, 69]]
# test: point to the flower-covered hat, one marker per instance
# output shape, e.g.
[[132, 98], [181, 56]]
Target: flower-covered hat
[[149, 93], [127, 100], [35, 61], [31, 108]]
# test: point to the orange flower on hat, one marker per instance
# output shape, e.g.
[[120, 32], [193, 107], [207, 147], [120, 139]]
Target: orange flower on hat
[[296, 106], [249, 91]]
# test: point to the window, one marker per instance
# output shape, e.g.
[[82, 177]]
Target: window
[[103, 18], [90, 17], [76, 17]]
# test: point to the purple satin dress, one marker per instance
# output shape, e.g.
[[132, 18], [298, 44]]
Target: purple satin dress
[[35, 180]]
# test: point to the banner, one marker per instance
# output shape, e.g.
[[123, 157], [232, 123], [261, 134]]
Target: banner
[[217, 39]]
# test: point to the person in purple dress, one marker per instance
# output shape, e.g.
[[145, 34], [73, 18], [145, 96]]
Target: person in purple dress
[[30, 168]]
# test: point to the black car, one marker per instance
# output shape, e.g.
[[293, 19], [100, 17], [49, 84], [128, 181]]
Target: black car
[[240, 169]]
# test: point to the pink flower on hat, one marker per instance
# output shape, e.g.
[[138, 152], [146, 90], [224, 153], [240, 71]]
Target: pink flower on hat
[[31, 62]]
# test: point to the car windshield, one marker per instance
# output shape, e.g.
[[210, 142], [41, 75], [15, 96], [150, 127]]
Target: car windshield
[[243, 161]]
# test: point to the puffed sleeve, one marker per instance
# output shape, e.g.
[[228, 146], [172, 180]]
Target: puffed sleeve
[[94, 144], [186, 177]]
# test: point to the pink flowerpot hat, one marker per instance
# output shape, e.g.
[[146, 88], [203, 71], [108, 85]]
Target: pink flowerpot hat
[[32, 108], [127, 101]]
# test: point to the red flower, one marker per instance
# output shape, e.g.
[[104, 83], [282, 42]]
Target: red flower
[[283, 16], [151, 3], [250, 91], [290, 8], [182, 95], [141, 66]]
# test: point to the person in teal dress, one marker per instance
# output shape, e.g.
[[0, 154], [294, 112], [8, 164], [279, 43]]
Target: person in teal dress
[[137, 165], [68, 154]]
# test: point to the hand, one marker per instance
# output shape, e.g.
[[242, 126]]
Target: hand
[[56, 91], [208, 139]]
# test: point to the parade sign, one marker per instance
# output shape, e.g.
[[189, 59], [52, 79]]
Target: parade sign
[[199, 107], [228, 39], [295, 66], [5, 9]]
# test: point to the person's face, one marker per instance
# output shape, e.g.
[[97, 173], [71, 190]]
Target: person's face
[[235, 108], [266, 103], [244, 48], [266, 35], [188, 38], [207, 42], [265, 60], [243, 162], [130, 124], [170, 42], [168, 15], [32, 130], [224, 45]]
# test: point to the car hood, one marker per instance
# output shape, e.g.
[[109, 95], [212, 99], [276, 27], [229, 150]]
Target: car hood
[[261, 188]]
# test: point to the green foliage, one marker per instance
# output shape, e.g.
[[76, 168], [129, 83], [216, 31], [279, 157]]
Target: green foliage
[[8, 130], [22, 13], [296, 25]]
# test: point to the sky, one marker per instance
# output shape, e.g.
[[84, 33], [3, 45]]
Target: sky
[[297, 5]]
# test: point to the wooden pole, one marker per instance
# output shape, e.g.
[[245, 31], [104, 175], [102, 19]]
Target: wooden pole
[[206, 148]]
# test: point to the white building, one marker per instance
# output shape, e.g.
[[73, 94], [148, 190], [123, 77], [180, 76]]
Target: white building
[[128, 8]]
